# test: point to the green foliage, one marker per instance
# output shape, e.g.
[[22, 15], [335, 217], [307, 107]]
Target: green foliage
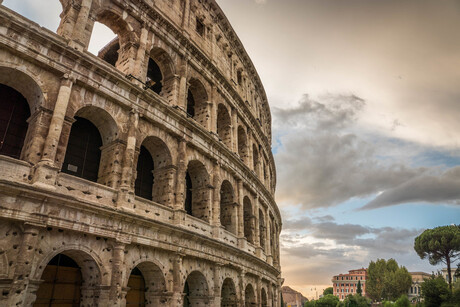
[[329, 290], [356, 301], [435, 291], [328, 300], [403, 301], [386, 280], [440, 244], [359, 290]]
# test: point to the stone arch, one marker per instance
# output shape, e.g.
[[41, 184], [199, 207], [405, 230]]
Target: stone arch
[[197, 102], [161, 171], [160, 69], [91, 146], [249, 296], [123, 48], [263, 298], [242, 143], [153, 281], [255, 159], [85, 257], [228, 207], [32, 90], [196, 290], [262, 229], [228, 294], [92, 277], [224, 125], [198, 191], [248, 219]]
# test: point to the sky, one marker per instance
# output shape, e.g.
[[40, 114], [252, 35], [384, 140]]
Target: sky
[[365, 101]]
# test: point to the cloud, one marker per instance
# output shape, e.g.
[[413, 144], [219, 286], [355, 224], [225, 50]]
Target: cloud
[[260, 1], [329, 243], [322, 161], [426, 188]]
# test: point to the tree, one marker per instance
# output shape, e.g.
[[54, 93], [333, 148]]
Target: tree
[[359, 290], [329, 290], [327, 301], [440, 244], [387, 280], [356, 301], [435, 291], [403, 301]]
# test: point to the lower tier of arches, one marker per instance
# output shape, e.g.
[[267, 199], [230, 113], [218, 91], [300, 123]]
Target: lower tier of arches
[[53, 266]]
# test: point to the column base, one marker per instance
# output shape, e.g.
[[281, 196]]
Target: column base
[[45, 175]]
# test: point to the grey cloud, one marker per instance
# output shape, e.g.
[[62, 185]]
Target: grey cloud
[[322, 162], [432, 189]]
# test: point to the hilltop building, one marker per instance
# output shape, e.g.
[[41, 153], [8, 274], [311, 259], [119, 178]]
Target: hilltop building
[[414, 291], [345, 284], [143, 176]]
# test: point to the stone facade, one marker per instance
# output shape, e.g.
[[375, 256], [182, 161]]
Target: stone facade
[[345, 284], [207, 233]]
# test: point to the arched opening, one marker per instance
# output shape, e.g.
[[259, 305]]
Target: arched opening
[[242, 143], [227, 207], [154, 171], [146, 285], [104, 43], [197, 193], [154, 77], [62, 281], [224, 125], [83, 152], [190, 104], [136, 293], [263, 298], [262, 229], [112, 39], [197, 106], [249, 296], [228, 294], [196, 290], [255, 159], [14, 112], [143, 186], [248, 218]]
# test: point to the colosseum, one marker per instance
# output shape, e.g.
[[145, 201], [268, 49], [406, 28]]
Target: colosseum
[[142, 176]]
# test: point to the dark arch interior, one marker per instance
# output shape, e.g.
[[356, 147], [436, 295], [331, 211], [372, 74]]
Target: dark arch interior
[[62, 280], [154, 77], [14, 112], [83, 152], [136, 292], [188, 193], [228, 294], [248, 216], [190, 104], [144, 181]]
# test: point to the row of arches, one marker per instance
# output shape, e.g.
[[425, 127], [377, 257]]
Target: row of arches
[[88, 146], [70, 276]]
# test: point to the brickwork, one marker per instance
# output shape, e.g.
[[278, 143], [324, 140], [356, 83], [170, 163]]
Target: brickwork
[[225, 250]]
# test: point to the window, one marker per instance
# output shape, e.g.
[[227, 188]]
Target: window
[[144, 179], [199, 27]]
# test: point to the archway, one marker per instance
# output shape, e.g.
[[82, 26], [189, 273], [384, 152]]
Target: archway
[[14, 112], [136, 293], [263, 298], [70, 279], [227, 207], [197, 106], [248, 217], [195, 290], [262, 229], [160, 72], [224, 125], [143, 186], [249, 296], [228, 294], [83, 152], [147, 285], [197, 194], [242, 143]]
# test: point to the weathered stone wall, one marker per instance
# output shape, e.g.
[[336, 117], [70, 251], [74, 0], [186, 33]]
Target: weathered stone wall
[[104, 226]]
